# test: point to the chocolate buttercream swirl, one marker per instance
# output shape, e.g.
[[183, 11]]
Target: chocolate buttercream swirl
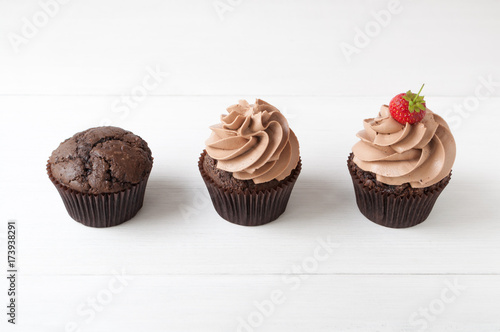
[[420, 154], [254, 142]]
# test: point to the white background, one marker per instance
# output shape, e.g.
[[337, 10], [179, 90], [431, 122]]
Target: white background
[[185, 268]]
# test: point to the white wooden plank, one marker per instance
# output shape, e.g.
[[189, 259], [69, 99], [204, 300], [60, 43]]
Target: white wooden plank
[[261, 47], [221, 303], [461, 235]]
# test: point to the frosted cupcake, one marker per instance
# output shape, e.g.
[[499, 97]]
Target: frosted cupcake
[[251, 163], [402, 162]]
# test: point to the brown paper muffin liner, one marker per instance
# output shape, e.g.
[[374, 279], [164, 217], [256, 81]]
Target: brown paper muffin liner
[[391, 210], [101, 210], [250, 208]]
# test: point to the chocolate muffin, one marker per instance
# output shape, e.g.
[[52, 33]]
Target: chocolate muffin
[[402, 162], [227, 180], [369, 180], [394, 206], [101, 174], [251, 163]]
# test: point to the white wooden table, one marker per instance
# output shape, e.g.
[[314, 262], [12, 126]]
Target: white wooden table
[[177, 266]]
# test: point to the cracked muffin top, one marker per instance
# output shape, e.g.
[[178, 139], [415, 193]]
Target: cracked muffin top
[[101, 160]]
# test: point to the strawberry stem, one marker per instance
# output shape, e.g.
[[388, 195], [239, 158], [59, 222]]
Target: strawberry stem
[[418, 94]]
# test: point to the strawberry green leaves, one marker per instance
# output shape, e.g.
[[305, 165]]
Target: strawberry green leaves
[[416, 102]]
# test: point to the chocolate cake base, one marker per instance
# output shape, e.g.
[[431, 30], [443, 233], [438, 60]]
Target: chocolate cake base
[[393, 206], [101, 210], [243, 202]]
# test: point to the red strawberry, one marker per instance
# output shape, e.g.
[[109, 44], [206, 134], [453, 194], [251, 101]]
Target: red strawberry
[[408, 107]]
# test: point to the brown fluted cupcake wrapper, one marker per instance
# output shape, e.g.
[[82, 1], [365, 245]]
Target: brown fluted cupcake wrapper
[[101, 210], [391, 210], [250, 208]]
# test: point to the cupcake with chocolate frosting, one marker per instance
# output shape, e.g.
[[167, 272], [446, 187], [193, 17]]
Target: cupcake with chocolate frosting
[[402, 162], [251, 163]]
